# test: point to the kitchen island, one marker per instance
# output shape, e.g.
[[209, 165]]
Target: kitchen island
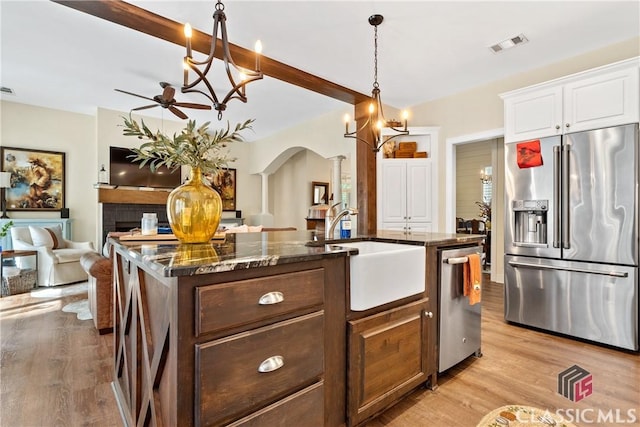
[[253, 330]]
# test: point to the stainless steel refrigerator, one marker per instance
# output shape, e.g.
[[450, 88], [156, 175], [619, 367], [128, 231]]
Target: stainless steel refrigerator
[[571, 235]]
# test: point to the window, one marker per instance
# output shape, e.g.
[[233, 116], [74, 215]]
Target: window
[[487, 184]]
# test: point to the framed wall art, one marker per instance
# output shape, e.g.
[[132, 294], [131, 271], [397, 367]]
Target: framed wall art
[[224, 182], [37, 179], [319, 192]]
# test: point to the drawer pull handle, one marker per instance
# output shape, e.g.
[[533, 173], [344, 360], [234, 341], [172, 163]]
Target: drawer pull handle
[[271, 298], [271, 364]]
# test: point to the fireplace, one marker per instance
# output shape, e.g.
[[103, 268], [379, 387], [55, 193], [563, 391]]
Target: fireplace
[[127, 216], [122, 209]]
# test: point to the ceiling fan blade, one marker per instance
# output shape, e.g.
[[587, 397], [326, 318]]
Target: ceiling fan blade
[[145, 107], [134, 94], [177, 112], [190, 105], [168, 93]]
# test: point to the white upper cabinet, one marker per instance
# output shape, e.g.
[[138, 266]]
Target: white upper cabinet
[[419, 198], [533, 115], [604, 100], [393, 192], [406, 190], [602, 97], [407, 187]]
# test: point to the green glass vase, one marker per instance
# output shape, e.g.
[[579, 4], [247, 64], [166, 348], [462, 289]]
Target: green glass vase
[[194, 210]]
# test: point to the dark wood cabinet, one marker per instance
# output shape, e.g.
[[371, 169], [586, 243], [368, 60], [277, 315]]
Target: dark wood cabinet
[[245, 372], [304, 405], [234, 304], [387, 359], [251, 347], [317, 224], [267, 345]]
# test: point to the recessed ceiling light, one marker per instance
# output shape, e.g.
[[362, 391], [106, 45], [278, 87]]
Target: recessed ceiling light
[[508, 43]]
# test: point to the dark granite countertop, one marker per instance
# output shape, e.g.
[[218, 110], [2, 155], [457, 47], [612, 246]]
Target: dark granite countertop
[[428, 239], [250, 250]]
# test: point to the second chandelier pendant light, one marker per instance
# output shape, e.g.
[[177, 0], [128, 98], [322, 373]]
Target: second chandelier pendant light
[[376, 120]]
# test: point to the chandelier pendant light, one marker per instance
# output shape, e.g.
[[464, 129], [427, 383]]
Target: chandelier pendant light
[[238, 77], [376, 120], [485, 177]]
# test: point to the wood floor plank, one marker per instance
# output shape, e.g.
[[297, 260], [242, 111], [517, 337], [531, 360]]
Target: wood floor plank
[[56, 370]]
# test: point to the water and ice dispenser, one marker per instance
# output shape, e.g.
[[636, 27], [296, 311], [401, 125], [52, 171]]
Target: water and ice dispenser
[[530, 222]]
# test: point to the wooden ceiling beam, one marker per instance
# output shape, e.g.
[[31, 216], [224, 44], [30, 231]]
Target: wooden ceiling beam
[[136, 18]]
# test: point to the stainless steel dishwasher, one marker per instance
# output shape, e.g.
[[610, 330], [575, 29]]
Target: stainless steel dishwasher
[[459, 323]]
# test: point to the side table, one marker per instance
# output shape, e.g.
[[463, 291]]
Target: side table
[[16, 254]]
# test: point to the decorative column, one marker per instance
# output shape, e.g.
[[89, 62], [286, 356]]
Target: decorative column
[[337, 181], [265, 193], [264, 217], [365, 172]]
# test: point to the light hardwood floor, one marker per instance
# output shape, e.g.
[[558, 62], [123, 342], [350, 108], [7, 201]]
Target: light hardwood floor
[[55, 370]]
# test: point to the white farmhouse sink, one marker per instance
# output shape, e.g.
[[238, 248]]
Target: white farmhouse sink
[[385, 272]]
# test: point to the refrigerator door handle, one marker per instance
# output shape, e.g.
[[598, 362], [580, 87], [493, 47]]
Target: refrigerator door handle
[[576, 270], [556, 196], [566, 240]]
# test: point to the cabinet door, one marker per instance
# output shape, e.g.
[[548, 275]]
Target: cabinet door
[[419, 191], [388, 357], [394, 226], [601, 101], [534, 114], [418, 227], [394, 193], [407, 227]]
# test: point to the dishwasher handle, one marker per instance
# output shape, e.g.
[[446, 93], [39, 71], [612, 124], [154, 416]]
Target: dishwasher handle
[[456, 260]]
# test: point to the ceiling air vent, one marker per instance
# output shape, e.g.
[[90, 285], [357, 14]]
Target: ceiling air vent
[[508, 43], [7, 90]]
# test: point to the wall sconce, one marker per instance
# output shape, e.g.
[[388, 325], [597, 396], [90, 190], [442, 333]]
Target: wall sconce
[[5, 182], [485, 177]]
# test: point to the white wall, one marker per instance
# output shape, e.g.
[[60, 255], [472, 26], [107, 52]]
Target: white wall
[[291, 186], [288, 200], [470, 158], [323, 135], [25, 126], [297, 156]]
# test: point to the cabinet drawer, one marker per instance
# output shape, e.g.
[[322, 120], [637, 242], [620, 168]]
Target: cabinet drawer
[[307, 405], [239, 303], [228, 382]]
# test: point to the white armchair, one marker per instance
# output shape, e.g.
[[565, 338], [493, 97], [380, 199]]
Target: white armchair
[[58, 258]]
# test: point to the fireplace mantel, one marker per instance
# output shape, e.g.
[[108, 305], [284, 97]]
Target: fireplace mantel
[[133, 195]]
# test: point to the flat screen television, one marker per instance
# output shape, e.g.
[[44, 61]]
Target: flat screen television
[[123, 171]]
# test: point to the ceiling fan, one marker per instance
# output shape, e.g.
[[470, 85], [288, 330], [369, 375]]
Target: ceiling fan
[[166, 100]]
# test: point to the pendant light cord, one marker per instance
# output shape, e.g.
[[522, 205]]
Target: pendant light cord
[[375, 57]]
